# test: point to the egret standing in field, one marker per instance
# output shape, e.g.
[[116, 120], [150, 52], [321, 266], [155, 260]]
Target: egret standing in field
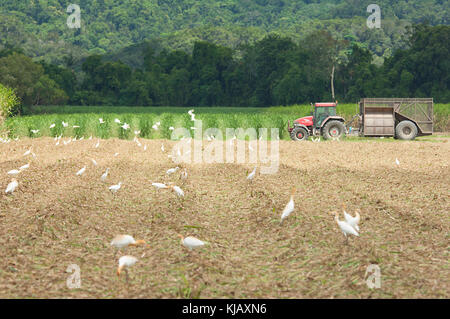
[[124, 241], [289, 207], [397, 162], [24, 167], [172, 170], [345, 227], [352, 221], [12, 186], [105, 175], [159, 185], [252, 174], [64, 124], [81, 171], [115, 188], [178, 190], [124, 263], [94, 162], [14, 172], [191, 242]]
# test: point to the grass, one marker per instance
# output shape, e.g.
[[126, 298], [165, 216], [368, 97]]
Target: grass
[[56, 219], [143, 118]]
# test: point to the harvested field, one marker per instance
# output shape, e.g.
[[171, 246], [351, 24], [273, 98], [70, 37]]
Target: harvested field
[[56, 219]]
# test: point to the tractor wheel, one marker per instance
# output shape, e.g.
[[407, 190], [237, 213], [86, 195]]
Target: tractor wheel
[[406, 130], [333, 130], [299, 134]]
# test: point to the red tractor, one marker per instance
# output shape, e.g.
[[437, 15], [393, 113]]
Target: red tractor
[[322, 121]]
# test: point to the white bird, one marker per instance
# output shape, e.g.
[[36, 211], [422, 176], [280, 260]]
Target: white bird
[[24, 167], [289, 207], [137, 132], [123, 241], [116, 154], [250, 147], [12, 186], [125, 126], [117, 121], [145, 147], [64, 124], [172, 170], [53, 125], [178, 190], [126, 262], [171, 128], [159, 185], [162, 147], [155, 127], [193, 128], [191, 242], [67, 142], [252, 174], [76, 126], [14, 172], [345, 227], [397, 162], [81, 171], [115, 188], [57, 143], [352, 221], [27, 152], [98, 144], [101, 121], [94, 162], [105, 175]]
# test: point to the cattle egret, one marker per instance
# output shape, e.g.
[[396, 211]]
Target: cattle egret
[[125, 262], [137, 132], [352, 221], [53, 125], [123, 241], [289, 207], [193, 128], [81, 171], [162, 147], [191, 242], [97, 145], [105, 175], [159, 185], [117, 121], [13, 172], [115, 188], [24, 167], [12, 186], [171, 128], [250, 148], [57, 143], [116, 154], [101, 121], [155, 127], [345, 227], [397, 162], [178, 190], [145, 147], [125, 126], [64, 124], [90, 137], [27, 152], [172, 170], [252, 174], [76, 126]]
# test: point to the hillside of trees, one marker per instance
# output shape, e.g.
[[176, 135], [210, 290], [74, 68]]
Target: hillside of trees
[[275, 70], [39, 26]]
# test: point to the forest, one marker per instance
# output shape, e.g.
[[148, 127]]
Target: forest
[[275, 70]]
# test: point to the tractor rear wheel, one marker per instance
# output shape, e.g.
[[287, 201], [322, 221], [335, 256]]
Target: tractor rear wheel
[[299, 134], [406, 130], [333, 130]]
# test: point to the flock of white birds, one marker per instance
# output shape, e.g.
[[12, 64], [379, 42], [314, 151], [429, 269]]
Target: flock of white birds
[[349, 226]]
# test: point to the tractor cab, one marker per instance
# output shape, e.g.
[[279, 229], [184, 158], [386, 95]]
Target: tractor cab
[[321, 112]]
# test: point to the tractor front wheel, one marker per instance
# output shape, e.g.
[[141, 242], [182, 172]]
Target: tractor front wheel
[[299, 134], [333, 130]]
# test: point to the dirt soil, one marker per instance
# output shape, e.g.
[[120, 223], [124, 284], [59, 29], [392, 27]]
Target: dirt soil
[[55, 219]]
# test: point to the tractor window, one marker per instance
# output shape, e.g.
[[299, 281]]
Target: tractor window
[[322, 113]]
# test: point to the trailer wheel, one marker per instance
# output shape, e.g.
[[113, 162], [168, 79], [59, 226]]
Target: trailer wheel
[[299, 134], [333, 129], [406, 130]]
